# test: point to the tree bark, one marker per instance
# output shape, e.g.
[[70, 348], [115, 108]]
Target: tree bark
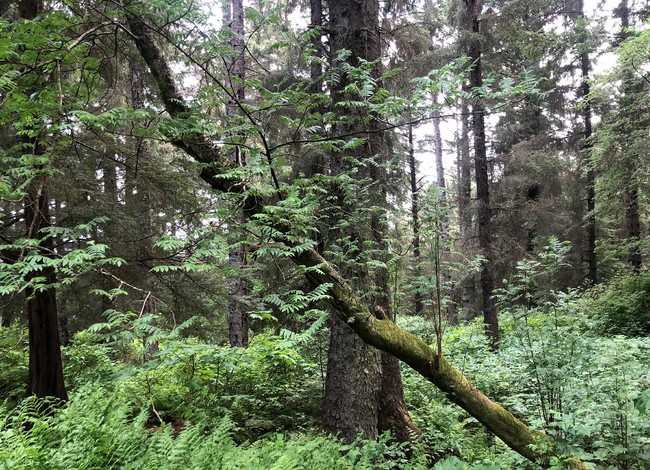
[[592, 260], [482, 180], [238, 286], [316, 70], [144, 249], [45, 365], [440, 173], [464, 176], [352, 384], [45, 378], [369, 375], [630, 183], [382, 334], [415, 217]]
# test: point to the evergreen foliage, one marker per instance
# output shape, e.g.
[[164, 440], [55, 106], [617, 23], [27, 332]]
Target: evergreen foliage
[[121, 200]]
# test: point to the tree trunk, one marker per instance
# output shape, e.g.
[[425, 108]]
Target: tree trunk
[[415, 216], [464, 176], [45, 365], [358, 384], [465, 288], [440, 172], [592, 261], [316, 70], [238, 287], [144, 248], [630, 183], [352, 384], [482, 180]]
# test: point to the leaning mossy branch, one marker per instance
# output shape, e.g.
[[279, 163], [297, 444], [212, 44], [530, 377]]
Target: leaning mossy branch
[[382, 334], [215, 168], [387, 336]]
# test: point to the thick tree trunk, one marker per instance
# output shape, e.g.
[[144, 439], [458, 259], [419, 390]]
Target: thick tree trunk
[[482, 180], [385, 335], [352, 384], [45, 365], [355, 26], [415, 217]]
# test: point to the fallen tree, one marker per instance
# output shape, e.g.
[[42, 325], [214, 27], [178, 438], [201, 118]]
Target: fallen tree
[[380, 333]]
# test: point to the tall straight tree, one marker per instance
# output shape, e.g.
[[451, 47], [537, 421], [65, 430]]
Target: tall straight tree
[[45, 365], [630, 183], [142, 201], [415, 218], [440, 170], [363, 391], [464, 175], [238, 286], [481, 168], [585, 64]]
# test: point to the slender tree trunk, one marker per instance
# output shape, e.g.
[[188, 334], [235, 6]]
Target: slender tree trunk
[[464, 176], [415, 217], [144, 249], [482, 180], [592, 261], [440, 172], [238, 287], [464, 166], [316, 70], [630, 184]]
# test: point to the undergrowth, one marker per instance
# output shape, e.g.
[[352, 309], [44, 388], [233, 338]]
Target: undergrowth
[[98, 429], [197, 405]]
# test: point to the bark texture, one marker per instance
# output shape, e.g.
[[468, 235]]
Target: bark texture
[[385, 334], [352, 386], [592, 260], [440, 172], [482, 179], [464, 176], [45, 365], [371, 381], [415, 217], [238, 286], [45, 378]]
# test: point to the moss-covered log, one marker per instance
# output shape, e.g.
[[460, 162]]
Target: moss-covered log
[[380, 333], [387, 336]]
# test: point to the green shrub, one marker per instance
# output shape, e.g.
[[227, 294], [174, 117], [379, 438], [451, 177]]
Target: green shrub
[[621, 307], [14, 360], [87, 360]]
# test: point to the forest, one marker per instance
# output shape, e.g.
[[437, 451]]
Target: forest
[[335, 234]]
